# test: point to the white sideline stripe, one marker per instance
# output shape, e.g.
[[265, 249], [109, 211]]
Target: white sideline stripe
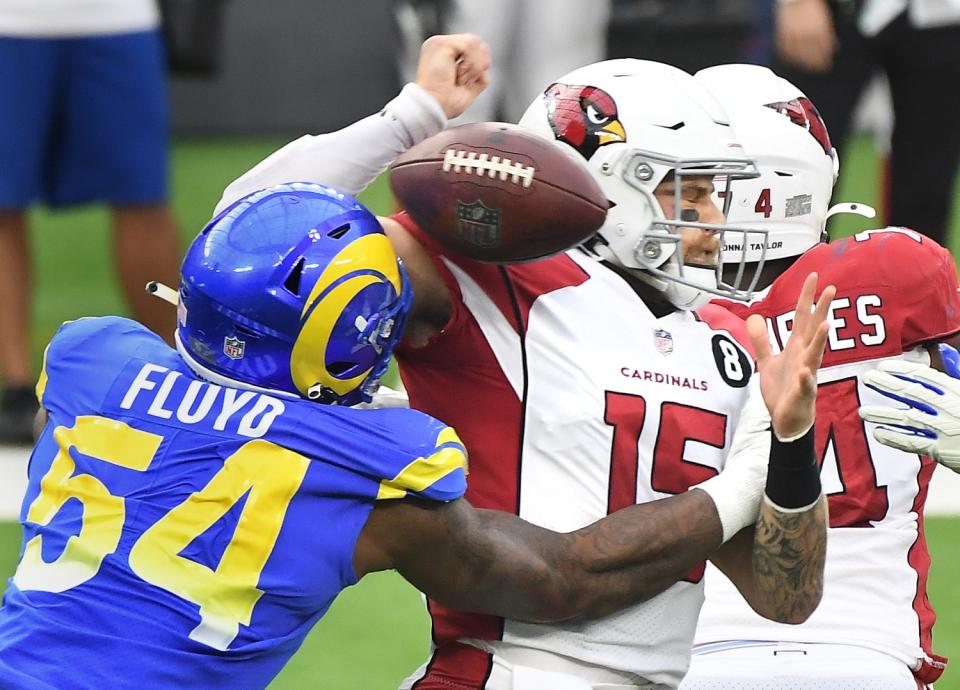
[[13, 470], [944, 498]]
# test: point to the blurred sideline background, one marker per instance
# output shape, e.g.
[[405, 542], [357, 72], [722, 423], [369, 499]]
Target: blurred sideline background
[[289, 67]]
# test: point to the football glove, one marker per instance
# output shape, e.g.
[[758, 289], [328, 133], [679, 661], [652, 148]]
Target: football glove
[[930, 422], [951, 360]]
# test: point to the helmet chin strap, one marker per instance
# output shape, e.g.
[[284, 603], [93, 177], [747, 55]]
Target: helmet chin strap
[[685, 297], [658, 284], [689, 297]]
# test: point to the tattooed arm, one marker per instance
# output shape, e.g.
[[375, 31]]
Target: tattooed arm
[[778, 566], [493, 562], [789, 551]]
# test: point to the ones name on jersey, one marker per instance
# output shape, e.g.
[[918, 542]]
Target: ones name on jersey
[[159, 392], [853, 321]]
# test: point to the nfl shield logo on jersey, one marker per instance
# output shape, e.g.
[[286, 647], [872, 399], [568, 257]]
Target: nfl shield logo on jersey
[[478, 224], [233, 347], [663, 341]]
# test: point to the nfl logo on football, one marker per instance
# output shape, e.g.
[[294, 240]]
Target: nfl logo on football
[[478, 224], [233, 347], [663, 341]]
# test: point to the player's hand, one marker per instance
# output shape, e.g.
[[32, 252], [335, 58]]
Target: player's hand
[[788, 381], [805, 35], [930, 424], [453, 69]]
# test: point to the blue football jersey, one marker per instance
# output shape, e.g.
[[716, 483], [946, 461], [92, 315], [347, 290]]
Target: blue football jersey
[[181, 534]]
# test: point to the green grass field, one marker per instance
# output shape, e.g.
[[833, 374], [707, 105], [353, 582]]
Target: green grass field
[[376, 632]]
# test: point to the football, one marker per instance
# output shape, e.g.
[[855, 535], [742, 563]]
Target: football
[[498, 192]]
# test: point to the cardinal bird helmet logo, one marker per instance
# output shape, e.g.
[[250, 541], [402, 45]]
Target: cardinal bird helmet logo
[[803, 113], [583, 116]]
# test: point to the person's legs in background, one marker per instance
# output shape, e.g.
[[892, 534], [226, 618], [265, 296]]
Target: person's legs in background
[[553, 37], [497, 23], [146, 247], [87, 121], [15, 283], [123, 123], [18, 404], [28, 78], [836, 92], [923, 67]]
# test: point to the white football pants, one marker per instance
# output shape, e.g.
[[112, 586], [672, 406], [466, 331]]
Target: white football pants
[[519, 668], [795, 666]]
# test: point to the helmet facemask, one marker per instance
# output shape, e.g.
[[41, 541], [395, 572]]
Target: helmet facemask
[[648, 243]]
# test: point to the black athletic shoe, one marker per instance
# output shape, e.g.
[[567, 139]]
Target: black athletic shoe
[[18, 409]]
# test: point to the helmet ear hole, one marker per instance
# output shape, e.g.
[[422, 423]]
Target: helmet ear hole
[[246, 332], [292, 283], [338, 368], [339, 232]]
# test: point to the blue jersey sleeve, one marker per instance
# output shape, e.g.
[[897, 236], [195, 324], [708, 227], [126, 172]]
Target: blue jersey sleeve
[[84, 358], [406, 452]]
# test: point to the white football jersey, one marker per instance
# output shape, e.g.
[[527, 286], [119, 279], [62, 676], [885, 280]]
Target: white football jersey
[[895, 291], [574, 400], [67, 18]]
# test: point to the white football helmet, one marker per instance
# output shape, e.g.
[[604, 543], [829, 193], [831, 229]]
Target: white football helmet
[[783, 132], [636, 121]]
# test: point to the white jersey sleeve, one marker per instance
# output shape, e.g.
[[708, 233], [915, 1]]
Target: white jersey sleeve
[[751, 440], [350, 158], [738, 489]]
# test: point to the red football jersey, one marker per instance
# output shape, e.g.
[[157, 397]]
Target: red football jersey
[[896, 291]]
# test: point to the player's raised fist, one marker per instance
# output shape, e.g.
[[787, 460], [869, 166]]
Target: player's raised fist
[[498, 192], [453, 69]]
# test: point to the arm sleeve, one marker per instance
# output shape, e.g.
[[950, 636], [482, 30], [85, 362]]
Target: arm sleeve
[[738, 489], [351, 158]]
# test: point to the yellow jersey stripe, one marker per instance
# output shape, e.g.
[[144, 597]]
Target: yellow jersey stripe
[[387, 492], [42, 381]]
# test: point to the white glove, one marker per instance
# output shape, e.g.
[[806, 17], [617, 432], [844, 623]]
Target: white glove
[[930, 425]]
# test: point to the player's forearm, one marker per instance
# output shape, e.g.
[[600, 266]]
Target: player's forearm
[[626, 558], [508, 567], [789, 550], [791, 534], [351, 158], [640, 551]]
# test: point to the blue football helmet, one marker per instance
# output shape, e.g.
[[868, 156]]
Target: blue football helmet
[[293, 289]]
